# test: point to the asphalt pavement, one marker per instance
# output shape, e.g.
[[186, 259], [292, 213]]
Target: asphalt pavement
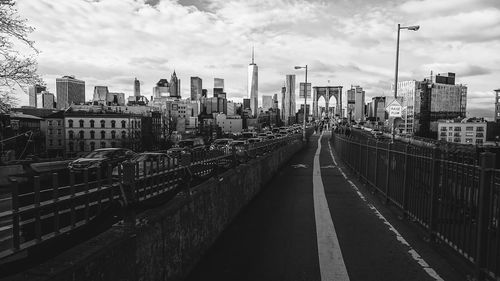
[[314, 221]]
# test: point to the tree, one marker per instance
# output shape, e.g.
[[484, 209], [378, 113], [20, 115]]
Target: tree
[[16, 69]]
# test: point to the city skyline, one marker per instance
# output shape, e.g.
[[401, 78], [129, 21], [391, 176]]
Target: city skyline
[[123, 40]]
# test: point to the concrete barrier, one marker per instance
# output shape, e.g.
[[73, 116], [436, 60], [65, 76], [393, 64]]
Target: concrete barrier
[[166, 242]]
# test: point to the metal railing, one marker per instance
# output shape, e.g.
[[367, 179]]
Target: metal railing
[[454, 195], [55, 206]]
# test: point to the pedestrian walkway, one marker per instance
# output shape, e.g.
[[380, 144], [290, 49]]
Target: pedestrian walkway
[[314, 222]]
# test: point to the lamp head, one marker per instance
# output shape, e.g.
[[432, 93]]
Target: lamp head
[[298, 67], [414, 28]]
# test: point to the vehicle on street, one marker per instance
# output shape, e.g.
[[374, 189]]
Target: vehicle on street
[[254, 140], [247, 135], [101, 159], [222, 145]]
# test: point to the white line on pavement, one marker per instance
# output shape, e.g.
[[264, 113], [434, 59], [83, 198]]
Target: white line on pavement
[[331, 262], [425, 266]]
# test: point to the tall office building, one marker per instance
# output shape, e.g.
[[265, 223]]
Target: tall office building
[[175, 86], [288, 106], [196, 88], [218, 86], [33, 92], [69, 91], [267, 102], [356, 104], [497, 105], [253, 86], [162, 87], [246, 104], [275, 101], [48, 100], [137, 88], [427, 102], [100, 94]]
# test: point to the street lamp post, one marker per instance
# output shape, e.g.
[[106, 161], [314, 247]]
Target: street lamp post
[[305, 103], [412, 28]]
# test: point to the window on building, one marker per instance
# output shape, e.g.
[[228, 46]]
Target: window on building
[[59, 131], [123, 123], [71, 147], [469, 134], [103, 124], [51, 142], [450, 128], [92, 146], [82, 146], [124, 135], [92, 123], [469, 128], [456, 140], [70, 135], [479, 141], [480, 129], [81, 123], [103, 144], [458, 129], [479, 135], [49, 122], [113, 144], [70, 123], [50, 131], [92, 134], [468, 140], [113, 134], [443, 134], [138, 124], [59, 142], [103, 134], [81, 135], [58, 122], [113, 123]]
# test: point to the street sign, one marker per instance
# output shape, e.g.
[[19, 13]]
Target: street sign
[[301, 90], [394, 109]]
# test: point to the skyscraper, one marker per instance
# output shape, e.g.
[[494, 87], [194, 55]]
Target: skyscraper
[[48, 100], [253, 85], [218, 86], [497, 106], [162, 87], [69, 91], [275, 101], [196, 88], [175, 86], [33, 92], [356, 103], [288, 106], [100, 94], [267, 102], [137, 88]]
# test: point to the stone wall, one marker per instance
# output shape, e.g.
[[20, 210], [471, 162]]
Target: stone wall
[[166, 242]]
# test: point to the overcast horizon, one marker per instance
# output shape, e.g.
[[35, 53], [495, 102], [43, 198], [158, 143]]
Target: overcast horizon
[[345, 42]]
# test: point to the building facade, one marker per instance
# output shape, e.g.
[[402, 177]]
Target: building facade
[[33, 92], [137, 88], [196, 88], [497, 105], [69, 91], [86, 131], [288, 99], [54, 135], [267, 102], [356, 104], [462, 132], [229, 124], [48, 100]]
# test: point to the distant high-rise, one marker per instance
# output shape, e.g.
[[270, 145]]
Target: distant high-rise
[[69, 91], [267, 102], [275, 101], [175, 86], [48, 100], [253, 86], [100, 94], [288, 106], [218, 86], [356, 103], [246, 104], [196, 88], [137, 88], [33, 92], [162, 87], [497, 106]]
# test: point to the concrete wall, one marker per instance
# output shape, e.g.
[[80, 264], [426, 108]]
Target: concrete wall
[[167, 241]]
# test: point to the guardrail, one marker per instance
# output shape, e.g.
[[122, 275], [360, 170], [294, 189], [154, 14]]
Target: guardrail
[[51, 209], [454, 195]]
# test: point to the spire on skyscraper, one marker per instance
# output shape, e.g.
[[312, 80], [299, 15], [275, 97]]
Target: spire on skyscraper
[[253, 56]]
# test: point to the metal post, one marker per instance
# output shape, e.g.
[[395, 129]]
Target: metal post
[[405, 181], [397, 63], [305, 109], [388, 172], [485, 181]]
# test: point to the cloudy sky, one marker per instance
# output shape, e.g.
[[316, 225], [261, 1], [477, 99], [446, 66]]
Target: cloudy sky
[[344, 42]]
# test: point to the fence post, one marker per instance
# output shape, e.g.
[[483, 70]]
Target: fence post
[[376, 165], [15, 215], [485, 181], [388, 172], [129, 196], [405, 182], [435, 180]]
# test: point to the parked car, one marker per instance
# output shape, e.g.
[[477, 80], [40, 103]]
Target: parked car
[[101, 159], [152, 162], [254, 140], [222, 145]]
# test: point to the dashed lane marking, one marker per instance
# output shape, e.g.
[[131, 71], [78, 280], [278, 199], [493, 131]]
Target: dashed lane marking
[[331, 262], [425, 266]]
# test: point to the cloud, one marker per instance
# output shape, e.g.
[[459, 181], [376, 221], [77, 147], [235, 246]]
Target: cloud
[[461, 69]]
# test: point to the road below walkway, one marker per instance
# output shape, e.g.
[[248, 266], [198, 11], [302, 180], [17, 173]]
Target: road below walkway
[[314, 222]]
